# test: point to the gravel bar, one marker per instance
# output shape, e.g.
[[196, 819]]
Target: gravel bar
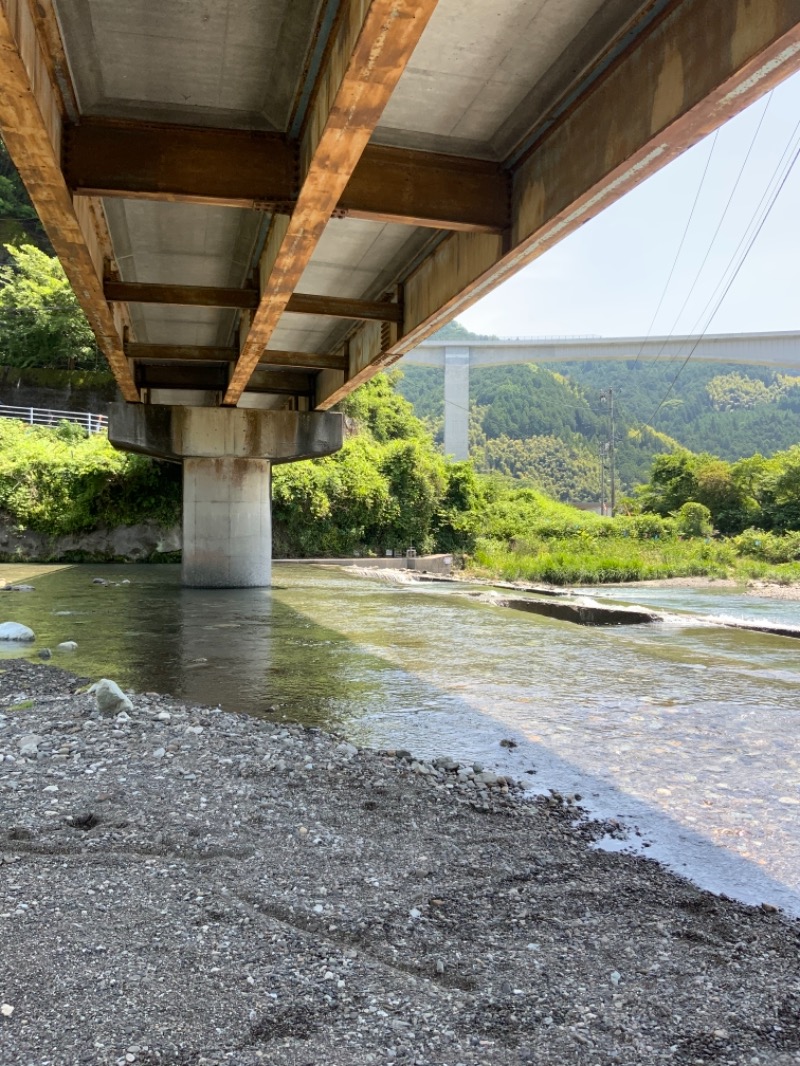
[[183, 886]]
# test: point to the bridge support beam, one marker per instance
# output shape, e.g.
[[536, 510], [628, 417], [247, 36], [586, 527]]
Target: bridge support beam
[[456, 401], [227, 456]]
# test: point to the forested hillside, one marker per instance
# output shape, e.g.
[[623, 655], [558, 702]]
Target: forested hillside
[[546, 424]]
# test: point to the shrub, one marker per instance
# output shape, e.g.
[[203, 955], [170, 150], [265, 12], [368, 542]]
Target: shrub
[[694, 520]]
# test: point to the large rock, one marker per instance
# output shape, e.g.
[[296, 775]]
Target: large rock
[[29, 745], [16, 631], [111, 700]]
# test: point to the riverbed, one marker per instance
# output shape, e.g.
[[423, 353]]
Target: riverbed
[[684, 731]]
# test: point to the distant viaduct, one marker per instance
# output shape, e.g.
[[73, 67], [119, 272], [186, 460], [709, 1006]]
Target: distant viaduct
[[748, 349]]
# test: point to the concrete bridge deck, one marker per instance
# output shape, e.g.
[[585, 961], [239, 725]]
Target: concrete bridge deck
[[261, 203]]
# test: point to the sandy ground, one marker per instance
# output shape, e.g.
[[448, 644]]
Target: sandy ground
[[187, 887]]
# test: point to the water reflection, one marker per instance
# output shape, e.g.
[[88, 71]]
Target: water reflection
[[689, 731]]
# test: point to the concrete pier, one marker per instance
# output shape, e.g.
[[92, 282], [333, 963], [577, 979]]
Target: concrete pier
[[227, 455], [456, 401], [227, 523]]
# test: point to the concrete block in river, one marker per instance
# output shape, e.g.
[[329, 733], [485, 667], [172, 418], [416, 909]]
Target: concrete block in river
[[584, 614]]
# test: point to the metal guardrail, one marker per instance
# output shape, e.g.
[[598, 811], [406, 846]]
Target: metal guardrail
[[41, 416]]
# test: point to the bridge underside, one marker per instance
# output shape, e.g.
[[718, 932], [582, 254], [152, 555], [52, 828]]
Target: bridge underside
[[261, 203]]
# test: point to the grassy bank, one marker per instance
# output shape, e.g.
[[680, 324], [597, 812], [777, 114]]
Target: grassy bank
[[588, 560]]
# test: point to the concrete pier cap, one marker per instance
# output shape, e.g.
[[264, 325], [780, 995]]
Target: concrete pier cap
[[227, 455]]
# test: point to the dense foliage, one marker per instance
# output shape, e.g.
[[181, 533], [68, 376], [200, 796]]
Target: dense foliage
[[387, 489], [538, 427], [390, 488], [733, 411], [754, 492], [41, 323], [62, 481]]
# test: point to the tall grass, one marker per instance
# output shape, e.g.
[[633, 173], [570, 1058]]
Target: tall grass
[[607, 560]]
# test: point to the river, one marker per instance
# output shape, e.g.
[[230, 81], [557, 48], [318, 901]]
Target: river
[[685, 731]]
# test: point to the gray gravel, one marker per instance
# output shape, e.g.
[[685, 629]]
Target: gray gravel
[[183, 886]]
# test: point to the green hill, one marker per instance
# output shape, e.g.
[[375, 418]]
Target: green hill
[[545, 425]]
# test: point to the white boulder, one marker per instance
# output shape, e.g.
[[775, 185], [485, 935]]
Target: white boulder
[[16, 631], [67, 645], [29, 745], [111, 700]]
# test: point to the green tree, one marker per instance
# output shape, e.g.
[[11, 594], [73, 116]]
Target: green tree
[[379, 409], [41, 324]]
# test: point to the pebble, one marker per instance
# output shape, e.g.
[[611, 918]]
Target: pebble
[[407, 939]]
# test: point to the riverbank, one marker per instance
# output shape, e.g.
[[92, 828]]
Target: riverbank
[[771, 590], [586, 558], [182, 885]]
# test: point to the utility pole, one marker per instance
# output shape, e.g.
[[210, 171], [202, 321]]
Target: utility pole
[[608, 394], [603, 479]]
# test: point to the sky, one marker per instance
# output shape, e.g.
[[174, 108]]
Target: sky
[[610, 277]]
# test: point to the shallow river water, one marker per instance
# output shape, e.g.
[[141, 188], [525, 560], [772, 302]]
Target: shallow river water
[[685, 731]]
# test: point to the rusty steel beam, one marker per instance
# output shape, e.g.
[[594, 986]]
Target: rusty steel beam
[[696, 66], [364, 65], [207, 377], [157, 161], [188, 295], [151, 161], [426, 189], [186, 353], [305, 360], [206, 296], [340, 307], [31, 123]]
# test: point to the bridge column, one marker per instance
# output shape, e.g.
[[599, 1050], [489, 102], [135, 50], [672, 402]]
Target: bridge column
[[227, 522], [456, 401], [227, 455]]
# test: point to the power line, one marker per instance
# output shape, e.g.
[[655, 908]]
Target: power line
[[768, 197], [721, 221], [722, 218], [680, 248], [760, 225]]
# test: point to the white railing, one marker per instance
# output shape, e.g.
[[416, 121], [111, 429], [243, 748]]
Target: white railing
[[41, 416]]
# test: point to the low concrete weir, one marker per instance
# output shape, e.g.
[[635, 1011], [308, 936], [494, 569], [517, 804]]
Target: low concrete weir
[[227, 456]]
